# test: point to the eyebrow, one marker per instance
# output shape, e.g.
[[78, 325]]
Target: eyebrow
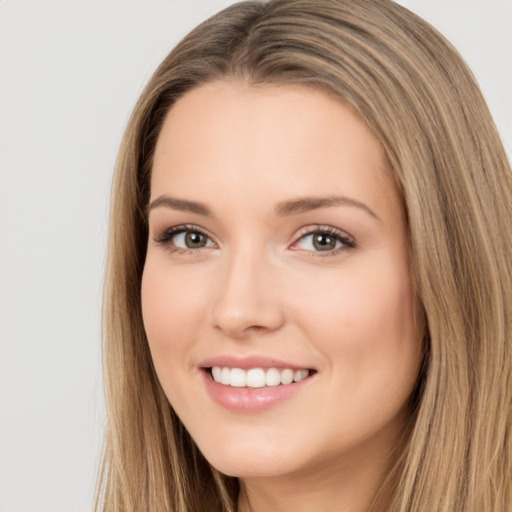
[[282, 209], [179, 204], [306, 204]]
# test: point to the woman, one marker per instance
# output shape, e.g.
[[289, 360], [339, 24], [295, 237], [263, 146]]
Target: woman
[[308, 292]]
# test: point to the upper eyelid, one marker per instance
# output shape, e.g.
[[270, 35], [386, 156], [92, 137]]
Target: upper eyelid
[[319, 228]]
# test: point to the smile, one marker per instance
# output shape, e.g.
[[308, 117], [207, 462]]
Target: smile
[[257, 377]]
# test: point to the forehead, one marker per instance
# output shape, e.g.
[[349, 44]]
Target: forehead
[[228, 136]]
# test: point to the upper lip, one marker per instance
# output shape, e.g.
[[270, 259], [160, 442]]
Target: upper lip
[[247, 362]]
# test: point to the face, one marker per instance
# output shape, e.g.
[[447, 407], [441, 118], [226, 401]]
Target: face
[[276, 292]]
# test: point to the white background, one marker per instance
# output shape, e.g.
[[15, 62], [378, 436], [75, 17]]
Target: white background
[[70, 72]]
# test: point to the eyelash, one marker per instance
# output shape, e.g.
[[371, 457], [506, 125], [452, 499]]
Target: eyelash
[[347, 242]]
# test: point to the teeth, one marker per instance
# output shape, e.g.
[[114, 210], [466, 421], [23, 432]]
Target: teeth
[[225, 377], [273, 377], [299, 375], [238, 378], [256, 377], [287, 376], [217, 373]]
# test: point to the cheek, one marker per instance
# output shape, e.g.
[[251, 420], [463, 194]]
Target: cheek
[[171, 308], [364, 323]]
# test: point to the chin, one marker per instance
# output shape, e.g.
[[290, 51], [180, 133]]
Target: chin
[[255, 459], [243, 468]]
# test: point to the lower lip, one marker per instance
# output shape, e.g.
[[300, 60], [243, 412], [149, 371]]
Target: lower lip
[[251, 399]]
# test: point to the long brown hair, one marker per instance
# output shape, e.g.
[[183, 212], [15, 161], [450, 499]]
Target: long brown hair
[[417, 95]]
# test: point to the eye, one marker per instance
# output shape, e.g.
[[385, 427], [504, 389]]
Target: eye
[[184, 238], [325, 240], [190, 240]]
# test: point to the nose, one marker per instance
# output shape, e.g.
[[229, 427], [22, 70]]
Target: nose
[[248, 298]]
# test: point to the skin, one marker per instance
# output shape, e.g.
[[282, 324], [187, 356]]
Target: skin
[[259, 286]]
